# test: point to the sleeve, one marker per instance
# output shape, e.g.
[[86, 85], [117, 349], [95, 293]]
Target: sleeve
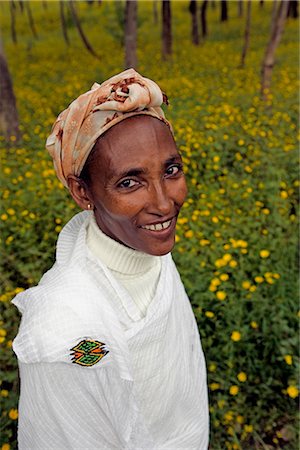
[[67, 407]]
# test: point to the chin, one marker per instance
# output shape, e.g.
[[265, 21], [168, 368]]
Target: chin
[[162, 250]]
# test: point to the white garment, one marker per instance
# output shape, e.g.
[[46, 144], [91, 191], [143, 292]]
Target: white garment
[[148, 392], [138, 272]]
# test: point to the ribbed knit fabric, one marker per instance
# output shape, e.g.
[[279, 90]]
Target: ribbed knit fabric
[[138, 272]]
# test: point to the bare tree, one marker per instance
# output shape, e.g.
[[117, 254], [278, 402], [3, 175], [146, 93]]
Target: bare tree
[[30, 19], [166, 29], [9, 121], [224, 11], [247, 33], [63, 22], [273, 16], [13, 21], [155, 12], [80, 30], [203, 18], [130, 34], [269, 57], [240, 8], [293, 9], [194, 28]]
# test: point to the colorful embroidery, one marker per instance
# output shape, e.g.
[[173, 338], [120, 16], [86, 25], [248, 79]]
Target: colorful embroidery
[[88, 352]]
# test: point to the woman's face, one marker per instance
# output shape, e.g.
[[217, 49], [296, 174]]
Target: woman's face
[[137, 185]]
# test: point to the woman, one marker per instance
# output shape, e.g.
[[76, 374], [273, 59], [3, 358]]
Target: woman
[[108, 347]]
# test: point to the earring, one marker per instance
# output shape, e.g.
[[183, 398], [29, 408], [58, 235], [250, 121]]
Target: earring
[[89, 206]]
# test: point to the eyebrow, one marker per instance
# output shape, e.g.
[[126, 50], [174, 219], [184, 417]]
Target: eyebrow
[[135, 172]]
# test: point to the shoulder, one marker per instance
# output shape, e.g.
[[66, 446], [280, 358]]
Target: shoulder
[[59, 313]]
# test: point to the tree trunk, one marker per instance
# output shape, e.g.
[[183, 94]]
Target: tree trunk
[[293, 9], [30, 20], [240, 8], [166, 29], [155, 12], [203, 18], [194, 29], [130, 34], [13, 21], [247, 33], [63, 22], [9, 122], [269, 58], [273, 16], [80, 30], [224, 11]]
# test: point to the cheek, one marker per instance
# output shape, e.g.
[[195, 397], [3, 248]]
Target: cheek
[[120, 208], [181, 191]]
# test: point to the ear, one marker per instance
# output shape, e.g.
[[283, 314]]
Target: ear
[[79, 192]]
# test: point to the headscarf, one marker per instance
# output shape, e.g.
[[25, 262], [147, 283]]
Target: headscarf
[[78, 127]]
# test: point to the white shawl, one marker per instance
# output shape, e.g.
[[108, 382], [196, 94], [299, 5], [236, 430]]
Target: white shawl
[[148, 392]]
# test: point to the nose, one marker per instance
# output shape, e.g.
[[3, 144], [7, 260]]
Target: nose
[[159, 201]]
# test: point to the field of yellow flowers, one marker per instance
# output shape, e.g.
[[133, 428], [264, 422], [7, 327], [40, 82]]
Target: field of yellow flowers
[[237, 233]]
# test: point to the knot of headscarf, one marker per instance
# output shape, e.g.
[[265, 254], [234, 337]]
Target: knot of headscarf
[[78, 127]]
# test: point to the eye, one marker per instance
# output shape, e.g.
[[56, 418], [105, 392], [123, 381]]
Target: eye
[[128, 183], [174, 169]]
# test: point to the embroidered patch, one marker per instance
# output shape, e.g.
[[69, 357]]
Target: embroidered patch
[[88, 352]]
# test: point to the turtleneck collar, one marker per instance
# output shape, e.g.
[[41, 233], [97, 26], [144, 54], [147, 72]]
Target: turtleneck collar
[[117, 257]]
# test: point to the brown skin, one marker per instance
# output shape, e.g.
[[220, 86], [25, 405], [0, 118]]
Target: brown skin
[[136, 180]]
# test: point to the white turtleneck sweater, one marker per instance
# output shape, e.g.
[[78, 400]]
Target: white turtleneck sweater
[[138, 272]]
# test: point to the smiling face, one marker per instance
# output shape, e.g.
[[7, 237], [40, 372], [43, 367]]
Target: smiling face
[[137, 185]]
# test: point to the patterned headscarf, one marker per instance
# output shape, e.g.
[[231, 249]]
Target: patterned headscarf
[[78, 127]]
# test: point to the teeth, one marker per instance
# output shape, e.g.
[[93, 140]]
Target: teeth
[[158, 226]]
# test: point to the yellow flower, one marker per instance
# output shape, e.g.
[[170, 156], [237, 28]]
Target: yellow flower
[[233, 263], [259, 279], [4, 217], [11, 211], [264, 253], [228, 416], [236, 336], [288, 359], [209, 314], [189, 234], [177, 238], [204, 242], [253, 324], [248, 428], [240, 419], [234, 390], [221, 295], [215, 282], [13, 414], [242, 377], [221, 403], [5, 447], [246, 284], [227, 257], [284, 194], [224, 277], [4, 393], [2, 332], [292, 391], [212, 367], [214, 386]]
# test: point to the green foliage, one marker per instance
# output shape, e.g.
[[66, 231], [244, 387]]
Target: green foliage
[[236, 242]]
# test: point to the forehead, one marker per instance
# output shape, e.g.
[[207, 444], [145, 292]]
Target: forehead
[[135, 140]]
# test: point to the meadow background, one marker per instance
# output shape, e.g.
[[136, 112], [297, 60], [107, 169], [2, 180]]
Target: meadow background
[[237, 233]]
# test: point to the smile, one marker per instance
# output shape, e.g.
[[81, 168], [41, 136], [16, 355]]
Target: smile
[[158, 226]]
